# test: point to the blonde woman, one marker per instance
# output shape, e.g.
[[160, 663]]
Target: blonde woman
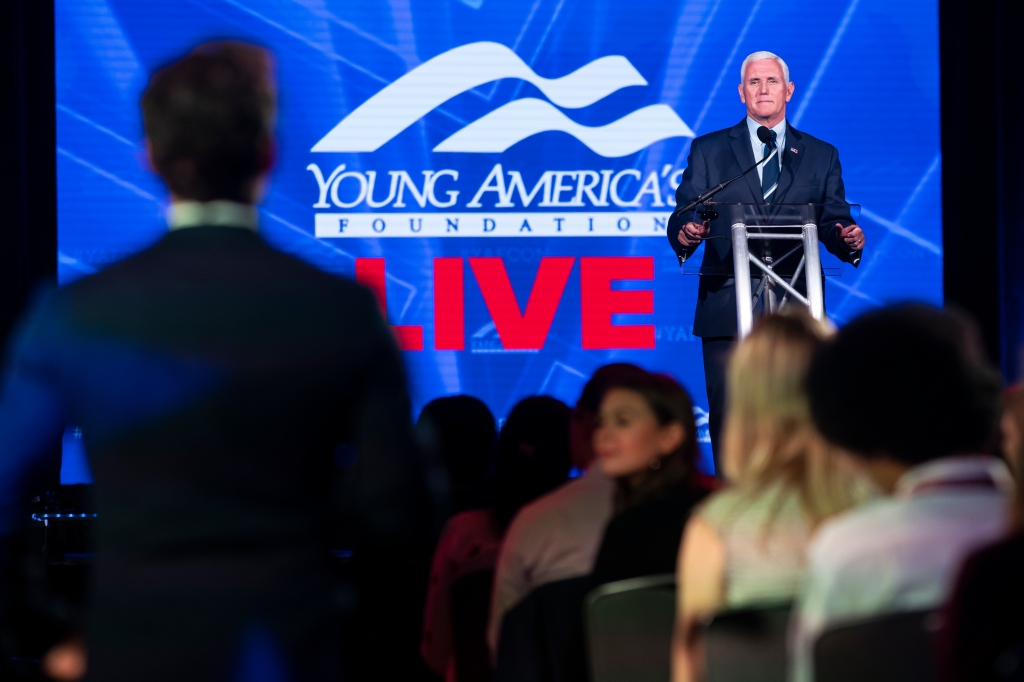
[[745, 545]]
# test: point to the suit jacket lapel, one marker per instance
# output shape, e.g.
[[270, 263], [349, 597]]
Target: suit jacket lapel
[[740, 143], [792, 155]]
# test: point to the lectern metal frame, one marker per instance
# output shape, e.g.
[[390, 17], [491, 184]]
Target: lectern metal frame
[[811, 263]]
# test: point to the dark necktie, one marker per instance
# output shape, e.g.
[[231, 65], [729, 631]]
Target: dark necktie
[[769, 171]]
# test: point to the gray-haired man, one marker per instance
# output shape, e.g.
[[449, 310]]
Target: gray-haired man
[[804, 170]]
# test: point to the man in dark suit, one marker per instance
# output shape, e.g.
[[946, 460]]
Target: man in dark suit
[[213, 377], [802, 170]]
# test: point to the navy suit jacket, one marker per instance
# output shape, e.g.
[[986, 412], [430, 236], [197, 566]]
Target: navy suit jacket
[[212, 377], [811, 174]]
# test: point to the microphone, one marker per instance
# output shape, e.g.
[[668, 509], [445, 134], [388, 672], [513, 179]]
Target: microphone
[[764, 135]]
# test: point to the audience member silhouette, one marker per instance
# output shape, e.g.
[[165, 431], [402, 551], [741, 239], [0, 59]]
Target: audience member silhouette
[[212, 377], [907, 390], [532, 459], [983, 634], [745, 546], [556, 537], [457, 434], [459, 431], [646, 440]]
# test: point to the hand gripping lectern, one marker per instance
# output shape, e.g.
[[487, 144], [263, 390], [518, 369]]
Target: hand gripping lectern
[[774, 249]]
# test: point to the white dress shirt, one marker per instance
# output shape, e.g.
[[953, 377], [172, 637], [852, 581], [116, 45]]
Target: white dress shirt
[[758, 147], [217, 213], [899, 553]]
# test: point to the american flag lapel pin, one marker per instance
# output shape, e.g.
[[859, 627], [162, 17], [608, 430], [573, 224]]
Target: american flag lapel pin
[[793, 149]]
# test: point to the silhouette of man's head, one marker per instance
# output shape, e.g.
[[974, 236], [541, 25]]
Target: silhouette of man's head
[[209, 121], [909, 382]]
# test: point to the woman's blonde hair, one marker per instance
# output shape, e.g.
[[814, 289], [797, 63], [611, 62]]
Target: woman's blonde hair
[[769, 436]]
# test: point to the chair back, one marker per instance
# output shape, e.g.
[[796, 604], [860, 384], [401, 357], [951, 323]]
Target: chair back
[[894, 647], [629, 626], [471, 606], [542, 636], [520, 645], [747, 645]]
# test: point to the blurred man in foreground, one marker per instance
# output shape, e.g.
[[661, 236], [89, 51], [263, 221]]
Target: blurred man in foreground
[[213, 377]]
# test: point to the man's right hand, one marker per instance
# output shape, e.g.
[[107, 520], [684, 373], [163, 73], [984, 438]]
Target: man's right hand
[[692, 233]]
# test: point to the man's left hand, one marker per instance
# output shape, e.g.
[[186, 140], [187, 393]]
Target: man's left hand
[[852, 235]]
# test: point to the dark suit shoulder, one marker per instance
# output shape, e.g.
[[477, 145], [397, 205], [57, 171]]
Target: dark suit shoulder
[[205, 254], [812, 144], [200, 281], [716, 138]]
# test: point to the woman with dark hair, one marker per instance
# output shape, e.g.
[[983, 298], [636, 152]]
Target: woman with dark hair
[[532, 459], [459, 432], [533, 455], [646, 439]]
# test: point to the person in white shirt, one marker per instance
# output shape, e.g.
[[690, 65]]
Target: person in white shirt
[[556, 537], [907, 390]]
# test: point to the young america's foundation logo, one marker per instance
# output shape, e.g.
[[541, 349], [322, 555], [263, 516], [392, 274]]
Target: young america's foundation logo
[[417, 93], [621, 201]]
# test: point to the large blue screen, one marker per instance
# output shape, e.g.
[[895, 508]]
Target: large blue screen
[[501, 170]]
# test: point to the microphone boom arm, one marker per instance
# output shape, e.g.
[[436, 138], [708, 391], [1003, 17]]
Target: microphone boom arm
[[722, 185]]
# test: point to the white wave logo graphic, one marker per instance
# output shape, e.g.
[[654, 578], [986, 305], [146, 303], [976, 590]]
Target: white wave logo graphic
[[417, 93], [518, 120]]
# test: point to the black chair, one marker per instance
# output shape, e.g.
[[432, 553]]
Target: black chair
[[471, 607], [895, 647], [521, 652], [747, 645], [629, 629], [542, 636]]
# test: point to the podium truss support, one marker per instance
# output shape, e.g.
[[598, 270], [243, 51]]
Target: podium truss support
[[810, 263], [815, 295], [740, 255]]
